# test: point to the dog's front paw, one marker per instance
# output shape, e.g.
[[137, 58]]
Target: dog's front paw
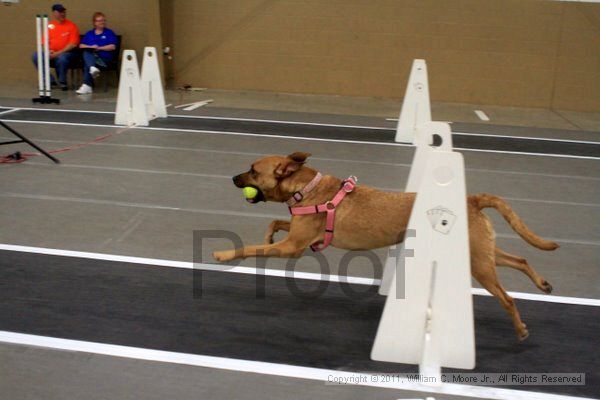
[[222, 256], [269, 238], [522, 333]]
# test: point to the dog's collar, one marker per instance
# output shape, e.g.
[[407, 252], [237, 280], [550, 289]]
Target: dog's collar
[[299, 195]]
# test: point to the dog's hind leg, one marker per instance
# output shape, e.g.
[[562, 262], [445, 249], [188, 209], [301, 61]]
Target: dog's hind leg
[[508, 303], [275, 226], [519, 263], [483, 269]]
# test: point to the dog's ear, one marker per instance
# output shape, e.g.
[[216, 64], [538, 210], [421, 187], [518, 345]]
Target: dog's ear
[[292, 163], [299, 156]]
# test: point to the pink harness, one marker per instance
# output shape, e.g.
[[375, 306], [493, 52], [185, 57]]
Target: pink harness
[[328, 207]]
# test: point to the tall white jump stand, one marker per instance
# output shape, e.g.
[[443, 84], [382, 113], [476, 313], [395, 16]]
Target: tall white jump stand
[[131, 108], [152, 88], [432, 324], [415, 111], [416, 108]]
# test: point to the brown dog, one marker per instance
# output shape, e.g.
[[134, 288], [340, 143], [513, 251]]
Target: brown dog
[[384, 216]]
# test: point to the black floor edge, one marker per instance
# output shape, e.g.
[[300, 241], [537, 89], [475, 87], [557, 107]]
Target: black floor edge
[[265, 319]]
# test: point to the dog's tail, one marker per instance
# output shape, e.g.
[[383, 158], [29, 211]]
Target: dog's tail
[[491, 201]]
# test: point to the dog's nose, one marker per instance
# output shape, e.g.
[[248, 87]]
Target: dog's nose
[[237, 181]]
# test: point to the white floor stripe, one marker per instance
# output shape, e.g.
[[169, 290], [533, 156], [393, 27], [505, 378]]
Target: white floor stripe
[[266, 368], [65, 110], [142, 205], [9, 111], [511, 199], [228, 177], [221, 118], [482, 116], [569, 141], [560, 241], [269, 272], [225, 212], [391, 164], [265, 136], [565, 203], [121, 169]]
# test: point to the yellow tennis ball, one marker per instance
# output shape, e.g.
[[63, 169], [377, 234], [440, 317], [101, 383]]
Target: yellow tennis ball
[[249, 192]]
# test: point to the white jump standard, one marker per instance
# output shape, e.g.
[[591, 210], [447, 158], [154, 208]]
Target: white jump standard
[[43, 62], [429, 320], [140, 100]]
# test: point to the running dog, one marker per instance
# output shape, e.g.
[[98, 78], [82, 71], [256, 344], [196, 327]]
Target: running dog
[[365, 218]]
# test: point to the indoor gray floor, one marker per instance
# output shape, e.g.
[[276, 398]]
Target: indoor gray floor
[[143, 193], [36, 373]]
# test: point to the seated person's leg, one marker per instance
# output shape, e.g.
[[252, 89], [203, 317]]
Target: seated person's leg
[[89, 60], [62, 63], [34, 59]]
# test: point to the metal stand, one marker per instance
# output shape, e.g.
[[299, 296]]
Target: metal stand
[[23, 139], [45, 100]]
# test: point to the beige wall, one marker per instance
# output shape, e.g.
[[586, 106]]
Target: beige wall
[[509, 52], [136, 20], [504, 52]]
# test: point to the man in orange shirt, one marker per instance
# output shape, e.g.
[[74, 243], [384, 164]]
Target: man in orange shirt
[[63, 36]]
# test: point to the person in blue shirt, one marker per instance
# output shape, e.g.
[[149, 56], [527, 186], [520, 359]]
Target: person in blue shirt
[[98, 45]]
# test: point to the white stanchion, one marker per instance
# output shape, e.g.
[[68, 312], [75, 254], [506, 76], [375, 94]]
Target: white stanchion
[[131, 109], [43, 62], [428, 320], [416, 109], [152, 87], [46, 56], [432, 323], [412, 186], [40, 60]]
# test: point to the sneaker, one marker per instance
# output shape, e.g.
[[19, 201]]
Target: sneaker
[[64, 87], [95, 72], [84, 89]]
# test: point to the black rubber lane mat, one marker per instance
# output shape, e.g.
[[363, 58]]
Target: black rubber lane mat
[[464, 141], [230, 315]]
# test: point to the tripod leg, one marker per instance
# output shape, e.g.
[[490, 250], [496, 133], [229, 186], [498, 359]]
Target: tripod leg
[[24, 139]]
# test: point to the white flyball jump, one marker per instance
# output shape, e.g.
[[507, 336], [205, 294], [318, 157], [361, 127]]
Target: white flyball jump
[[428, 314], [140, 99]]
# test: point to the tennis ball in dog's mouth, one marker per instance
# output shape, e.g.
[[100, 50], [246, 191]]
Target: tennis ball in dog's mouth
[[249, 192]]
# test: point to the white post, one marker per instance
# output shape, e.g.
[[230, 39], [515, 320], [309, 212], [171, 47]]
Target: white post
[[415, 112], [412, 186], [46, 57], [40, 59], [152, 87], [432, 324], [131, 109], [416, 108]]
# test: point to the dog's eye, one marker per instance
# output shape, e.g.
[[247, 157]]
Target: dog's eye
[[253, 172]]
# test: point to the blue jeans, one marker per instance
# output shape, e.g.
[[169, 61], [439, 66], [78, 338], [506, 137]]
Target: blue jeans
[[90, 59], [60, 64]]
